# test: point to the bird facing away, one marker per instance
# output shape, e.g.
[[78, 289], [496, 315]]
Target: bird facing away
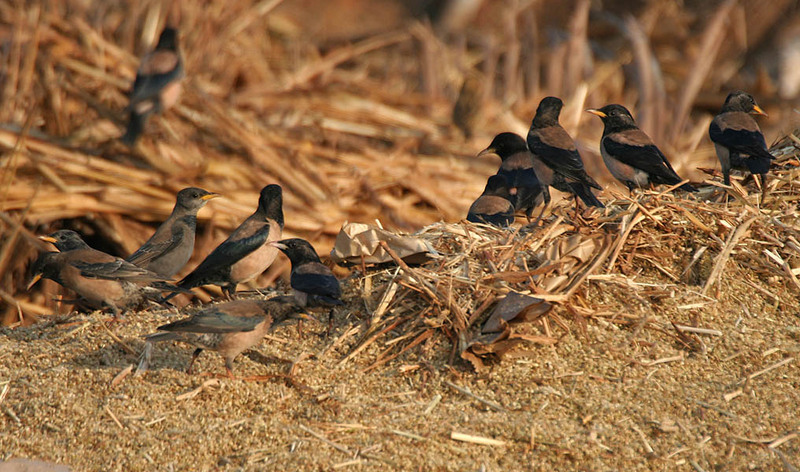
[[517, 167], [171, 246], [313, 282], [555, 157], [157, 85], [229, 328], [101, 279], [246, 253], [737, 137], [494, 206], [630, 155]]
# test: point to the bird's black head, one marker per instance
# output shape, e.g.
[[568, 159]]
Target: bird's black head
[[270, 202], [615, 117], [168, 39], [742, 101], [299, 251], [505, 145], [547, 113], [497, 185], [193, 198], [65, 240], [45, 266]]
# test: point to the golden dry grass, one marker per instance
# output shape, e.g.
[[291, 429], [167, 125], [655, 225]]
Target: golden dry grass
[[672, 342]]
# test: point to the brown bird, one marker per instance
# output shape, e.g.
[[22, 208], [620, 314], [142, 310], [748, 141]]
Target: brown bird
[[494, 206], [157, 85], [630, 154], [555, 157], [171, 246], [247, 252], [738, 139], [312, 281], [229, 328], [517, 167], [101, 279]]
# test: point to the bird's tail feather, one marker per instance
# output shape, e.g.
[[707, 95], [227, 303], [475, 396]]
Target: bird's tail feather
[[585, 193]]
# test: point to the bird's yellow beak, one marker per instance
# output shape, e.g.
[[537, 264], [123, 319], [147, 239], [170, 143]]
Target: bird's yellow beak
[[596, 112], [33, 281], [487, 151], [278, 245], [48, 239], [757, 110], [210, 196]]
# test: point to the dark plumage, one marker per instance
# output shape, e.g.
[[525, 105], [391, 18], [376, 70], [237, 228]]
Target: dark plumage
[[157, 85], [171, 246], [737, 137], [313, 282], [246, 253], [101, 279], [229, 328], [630, 155], [555, 157], [517, 168], [494, 205]]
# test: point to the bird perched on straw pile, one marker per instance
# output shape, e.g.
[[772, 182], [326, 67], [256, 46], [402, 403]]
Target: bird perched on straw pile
[[171, 246], [247, 252], [157, 85], [556, 159], [101, 279], [517, 167], [313, 282], [494, 206], [737, 137], [630, 154]]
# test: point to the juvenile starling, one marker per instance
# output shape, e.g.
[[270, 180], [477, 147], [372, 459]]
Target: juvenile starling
[[171, 246], [229, 328], [101, 279], [737, 137], [313, 282], [494, 206], [630, 154], [555, 157], [247, 252], [157, 85], [517, 168]]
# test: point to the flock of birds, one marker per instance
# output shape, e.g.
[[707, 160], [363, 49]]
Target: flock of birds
[[548, 158]]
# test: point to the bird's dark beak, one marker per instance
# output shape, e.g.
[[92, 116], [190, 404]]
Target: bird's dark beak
[[487, 151], [33, 281], [596, 112], [210, 196], [757, 110], [278, 245], [49, 239]]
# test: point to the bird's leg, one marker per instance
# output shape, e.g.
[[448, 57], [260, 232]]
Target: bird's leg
[[330, 324], [229, 291], [195, 354]]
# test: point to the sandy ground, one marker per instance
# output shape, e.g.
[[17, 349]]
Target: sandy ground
[[622, 394]]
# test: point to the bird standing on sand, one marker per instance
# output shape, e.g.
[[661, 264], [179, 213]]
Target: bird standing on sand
[[630, 154], [494, 206], [246, 253], [101, 279], [555, 157], [157, 85], [517, 167], [313, 282], [229, 328], [737, 137], [171, 246]]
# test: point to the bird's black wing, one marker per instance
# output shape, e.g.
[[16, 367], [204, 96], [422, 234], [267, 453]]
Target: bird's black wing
[[557, 150], [212, 320], [644, 156], [741, 141], [224, 256], [316, 284]]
